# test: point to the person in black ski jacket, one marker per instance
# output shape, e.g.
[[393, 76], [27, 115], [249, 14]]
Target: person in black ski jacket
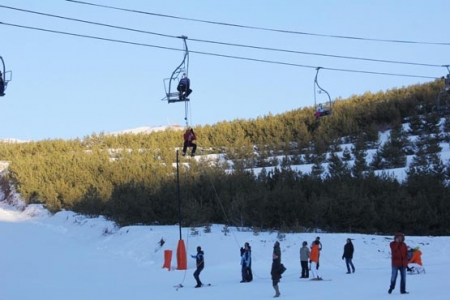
[[276, 268], [184, 87], [348, 255], [246, 263], [200, 263], [2, 85]]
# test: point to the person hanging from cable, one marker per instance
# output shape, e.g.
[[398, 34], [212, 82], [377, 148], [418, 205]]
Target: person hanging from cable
[[189, 138], [2, 85], [184, 87]]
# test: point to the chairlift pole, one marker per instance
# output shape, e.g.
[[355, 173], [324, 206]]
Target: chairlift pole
[[181, 248], [178, 195]]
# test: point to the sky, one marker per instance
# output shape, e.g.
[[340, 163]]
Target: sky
[[69, 256], [66, 87]]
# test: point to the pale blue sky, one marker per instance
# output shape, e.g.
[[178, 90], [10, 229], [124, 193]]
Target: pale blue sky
[[67, 87]]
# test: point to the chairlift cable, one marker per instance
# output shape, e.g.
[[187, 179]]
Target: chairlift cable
[[225, 43], [264, 28], [217, 54]]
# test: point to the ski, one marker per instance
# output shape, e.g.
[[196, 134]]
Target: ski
[[179, 286], [315, 279]]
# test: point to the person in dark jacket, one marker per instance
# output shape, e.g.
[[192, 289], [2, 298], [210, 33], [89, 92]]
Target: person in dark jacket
[[399, 255], [2, 85], [189, 138], [348, 255], [276, 269], [200, 263], [184, 87], [246, 263]]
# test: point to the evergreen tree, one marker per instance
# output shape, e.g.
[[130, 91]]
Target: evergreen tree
[[346, 156], [360, 166], [317, 169], [415, 125], [336, 167], [377, 162]]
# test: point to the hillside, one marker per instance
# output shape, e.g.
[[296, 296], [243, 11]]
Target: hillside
[[352, 171]]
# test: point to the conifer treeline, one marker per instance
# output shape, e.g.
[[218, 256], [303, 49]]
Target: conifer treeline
[[131, 178]]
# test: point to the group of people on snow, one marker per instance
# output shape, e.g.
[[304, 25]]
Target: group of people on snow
[[404, 259]]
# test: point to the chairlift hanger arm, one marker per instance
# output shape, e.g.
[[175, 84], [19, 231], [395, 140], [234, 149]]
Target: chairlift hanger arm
[[316, 83], [183, 66]]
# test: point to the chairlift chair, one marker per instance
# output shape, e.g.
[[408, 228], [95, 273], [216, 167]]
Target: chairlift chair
[[5, 76], [171, 84], [325, 108], [443, 98]]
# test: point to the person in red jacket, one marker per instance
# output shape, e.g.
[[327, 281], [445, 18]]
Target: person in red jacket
[[399, 255], [189, 138]]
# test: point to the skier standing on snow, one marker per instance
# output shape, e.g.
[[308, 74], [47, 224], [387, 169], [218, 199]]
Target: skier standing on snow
[[399, 255], [320, 249], [304, 257], [200, 263], [314, 260], [276, 268], [246, 263], [348, 255]]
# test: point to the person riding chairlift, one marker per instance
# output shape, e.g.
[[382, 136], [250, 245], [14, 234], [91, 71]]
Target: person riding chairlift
[[184, 87], [447, 83], [2, 85], [319, 111]]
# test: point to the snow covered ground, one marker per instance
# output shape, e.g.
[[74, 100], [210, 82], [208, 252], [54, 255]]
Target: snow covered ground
[[68, 256]]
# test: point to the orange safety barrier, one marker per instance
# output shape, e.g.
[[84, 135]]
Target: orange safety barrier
[[181, 256], [167, 259]]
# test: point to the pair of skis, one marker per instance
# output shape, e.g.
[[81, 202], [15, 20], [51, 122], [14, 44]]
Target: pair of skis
[[179, 286]]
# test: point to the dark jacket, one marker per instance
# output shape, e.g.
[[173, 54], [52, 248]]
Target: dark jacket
[[200, 260], [2, 85], [348, 250], [399, 251], [185, 81], [276, 269]]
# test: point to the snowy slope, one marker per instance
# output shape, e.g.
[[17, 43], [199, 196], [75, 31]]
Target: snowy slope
[[68, 256]]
